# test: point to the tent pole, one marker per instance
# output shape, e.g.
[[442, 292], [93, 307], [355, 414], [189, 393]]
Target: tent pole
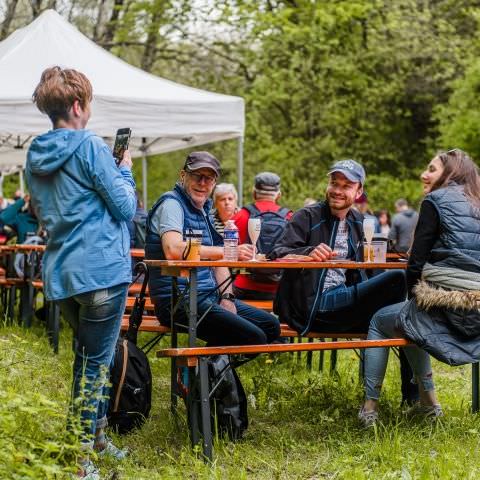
[[240, 170], [144, 172]]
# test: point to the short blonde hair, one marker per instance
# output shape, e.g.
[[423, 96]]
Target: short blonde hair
[[58, 89]]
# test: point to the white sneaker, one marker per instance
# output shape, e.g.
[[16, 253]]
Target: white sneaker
[[112, 451]]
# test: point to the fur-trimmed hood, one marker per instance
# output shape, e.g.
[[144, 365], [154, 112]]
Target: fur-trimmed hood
[[428, 296]]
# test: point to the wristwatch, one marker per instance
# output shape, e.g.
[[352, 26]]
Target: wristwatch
[[228, 296]]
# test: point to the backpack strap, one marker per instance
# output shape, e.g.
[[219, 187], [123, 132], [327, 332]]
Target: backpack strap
[[283, 212], [252, 209]]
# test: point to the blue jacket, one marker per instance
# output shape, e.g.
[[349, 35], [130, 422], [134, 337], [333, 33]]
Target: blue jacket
[[84, 201]]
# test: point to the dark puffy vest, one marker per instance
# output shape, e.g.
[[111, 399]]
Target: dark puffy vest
[[161, 286], [458, 244]]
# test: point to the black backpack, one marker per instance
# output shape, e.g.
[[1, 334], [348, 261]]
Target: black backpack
[[228, 402], [273, 225], [131, 378]]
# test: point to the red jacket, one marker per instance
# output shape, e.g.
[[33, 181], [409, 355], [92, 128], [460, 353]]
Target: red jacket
[[241, 220]]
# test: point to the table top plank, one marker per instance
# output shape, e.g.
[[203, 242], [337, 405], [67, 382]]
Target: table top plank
[[188, 264]]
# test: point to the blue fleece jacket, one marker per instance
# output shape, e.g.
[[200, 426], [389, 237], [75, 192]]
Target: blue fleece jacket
[[84, 201]]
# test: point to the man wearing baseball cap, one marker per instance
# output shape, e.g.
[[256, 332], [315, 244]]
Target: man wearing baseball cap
[[335, 299], [184, 209]]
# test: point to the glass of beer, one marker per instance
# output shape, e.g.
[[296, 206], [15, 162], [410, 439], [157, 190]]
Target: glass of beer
[[193, 239]]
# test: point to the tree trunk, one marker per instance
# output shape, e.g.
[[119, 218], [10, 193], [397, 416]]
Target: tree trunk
[[148, 57], [100, 23], [111, 27]]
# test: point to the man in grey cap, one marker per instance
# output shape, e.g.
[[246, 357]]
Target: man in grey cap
[[266, 194], [184, 209], [334, 299]]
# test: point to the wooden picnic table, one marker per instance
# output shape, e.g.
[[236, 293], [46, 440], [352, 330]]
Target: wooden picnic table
[[186, 268]]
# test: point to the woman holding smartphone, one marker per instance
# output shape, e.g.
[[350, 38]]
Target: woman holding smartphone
[[443, 279], [85, 202]]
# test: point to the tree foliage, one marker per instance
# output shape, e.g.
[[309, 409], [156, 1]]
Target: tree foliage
[[322, 80]]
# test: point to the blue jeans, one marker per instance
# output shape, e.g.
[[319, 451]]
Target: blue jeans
[[95, 318], [383, 327], [250, 326], [350, 308]]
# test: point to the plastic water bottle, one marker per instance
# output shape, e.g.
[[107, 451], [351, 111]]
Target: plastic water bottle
[[230, 241]]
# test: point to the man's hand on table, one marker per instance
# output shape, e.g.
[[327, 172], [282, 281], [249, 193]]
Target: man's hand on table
[[245, 252], [228, 305], [322, 253]]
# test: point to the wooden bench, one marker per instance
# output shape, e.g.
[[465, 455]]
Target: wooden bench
[[195, 358]]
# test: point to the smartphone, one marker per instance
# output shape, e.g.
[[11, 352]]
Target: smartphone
[[122, 140]]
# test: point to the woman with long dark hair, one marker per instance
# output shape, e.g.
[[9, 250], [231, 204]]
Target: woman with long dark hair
[[442, 314]]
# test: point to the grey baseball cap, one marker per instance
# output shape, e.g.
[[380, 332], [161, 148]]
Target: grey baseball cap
[[267, 182], [351, 169], [197, 160]]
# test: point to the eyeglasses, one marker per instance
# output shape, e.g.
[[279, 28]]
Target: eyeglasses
[[198, 177]]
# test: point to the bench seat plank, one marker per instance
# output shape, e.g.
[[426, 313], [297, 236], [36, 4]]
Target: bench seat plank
[[272, 348]]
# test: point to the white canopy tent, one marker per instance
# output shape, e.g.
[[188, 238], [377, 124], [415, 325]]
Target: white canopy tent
[[164, 116]]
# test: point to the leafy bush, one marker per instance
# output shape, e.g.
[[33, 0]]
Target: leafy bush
[[34, 442]]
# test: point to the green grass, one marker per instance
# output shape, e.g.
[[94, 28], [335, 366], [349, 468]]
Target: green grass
[[302, 424]]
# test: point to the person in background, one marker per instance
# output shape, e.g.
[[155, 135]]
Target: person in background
[[225, 201], [403, 226], [362, 206], [443, 278], [20, 218], [4, 203], [383, 217], [17, 195], [137, 227], [309, 201], [85, 202], [266, 195], [227, 321]]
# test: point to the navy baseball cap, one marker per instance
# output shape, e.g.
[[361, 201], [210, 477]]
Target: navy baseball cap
[[197, 160], [351, 169]]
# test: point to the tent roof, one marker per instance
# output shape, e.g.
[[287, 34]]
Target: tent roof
[[168, 115]]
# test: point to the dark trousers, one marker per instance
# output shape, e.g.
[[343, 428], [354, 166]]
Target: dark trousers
[[350, 309], [244, 294], [249, 326]]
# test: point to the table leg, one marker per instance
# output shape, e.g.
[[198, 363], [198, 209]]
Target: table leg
[[321, 361], [309, 356], [361, 364], [475, 388], [174, 342], [205, 409], [11, 303], [333, 358], [192, 406], [193, 312]]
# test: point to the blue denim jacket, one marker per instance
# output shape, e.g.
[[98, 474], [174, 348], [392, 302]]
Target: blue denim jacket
[[84, 201]]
